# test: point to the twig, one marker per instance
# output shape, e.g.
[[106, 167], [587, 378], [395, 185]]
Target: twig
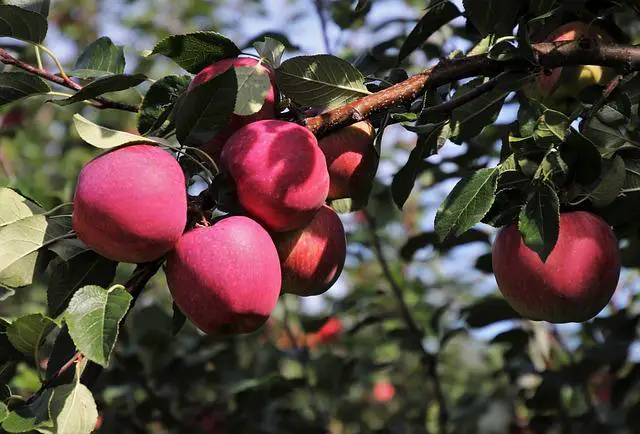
[[319, 4], [104, 103], [429, 360], [548, 55], [454, 103], [611, 86]]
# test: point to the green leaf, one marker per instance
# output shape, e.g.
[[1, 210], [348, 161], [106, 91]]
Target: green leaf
[[584, 156], [405, 179], [88, 268], [17, 85], [68, 248], [7, 351], [632, 176], [470, 119], [4, 411], [24, 24], [435, 17], [322, 81], [467, 204], [93, 317], [102, 85], [271, 50], [253, 87], [609, 184], [553, 168], [539, 220], [63, 350], [278, 37], [26, 333], [425, 239], [73, 409], [39, 6], [14, 207], [106, 138], [349, 204], [100, 58], [31, 417], [195, 51], [608, 139], [159, 101], [493, 16], [205, 112], [489, 310], [551, 129], [19, 245], [178, 320]]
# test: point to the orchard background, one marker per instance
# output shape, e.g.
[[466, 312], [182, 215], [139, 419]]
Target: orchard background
[[414, 337]]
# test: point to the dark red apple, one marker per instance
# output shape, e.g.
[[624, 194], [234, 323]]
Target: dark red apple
[[130, 204], [577, 280], [352, 160], [313, 256], [280, 173], [214, 147], [225, 277]]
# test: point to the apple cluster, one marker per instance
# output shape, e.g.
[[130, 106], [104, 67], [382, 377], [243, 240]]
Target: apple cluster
[[130, 205]]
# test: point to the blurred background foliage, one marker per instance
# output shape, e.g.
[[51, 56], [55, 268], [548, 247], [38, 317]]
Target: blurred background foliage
[[478, 369]]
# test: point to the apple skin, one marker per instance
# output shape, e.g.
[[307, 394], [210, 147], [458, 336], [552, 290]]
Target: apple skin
[[130, 204], [214, 147], [280, 173], [569, 81], [225, 277], [352, 160], [574, 284], [313, 256], [329, 332]]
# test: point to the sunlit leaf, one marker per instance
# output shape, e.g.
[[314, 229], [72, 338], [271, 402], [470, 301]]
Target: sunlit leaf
[[93, 317]]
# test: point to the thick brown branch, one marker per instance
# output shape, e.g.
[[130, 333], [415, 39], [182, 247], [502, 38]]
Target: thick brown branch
[[102, 102], [547, 55]]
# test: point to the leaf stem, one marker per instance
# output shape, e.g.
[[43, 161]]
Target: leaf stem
[[38, 57]]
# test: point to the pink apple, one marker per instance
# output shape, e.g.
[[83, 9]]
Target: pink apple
[[280, 173], [313, 256], [225, 277], [577, 280], [352, 160], [130, 204], [214, 147]]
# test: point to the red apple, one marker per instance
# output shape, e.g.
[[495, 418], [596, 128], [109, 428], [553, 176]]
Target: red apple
[[225, 277], [352, 160], [383, 391], [569, 81], [130, 204], [576, 281], [329, 332], [280, 173], [313, 256], [214, 147]]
